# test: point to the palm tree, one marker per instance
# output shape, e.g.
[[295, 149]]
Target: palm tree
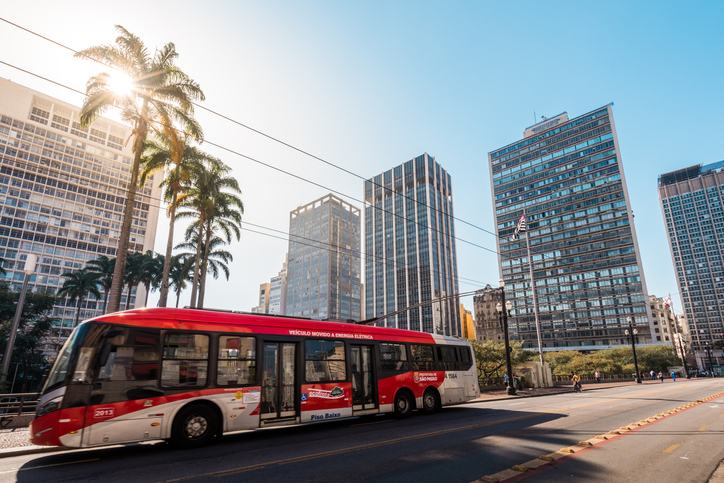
[[104, 267], [206, 199], [160, 155], [150, 272], [77, 285], [181, 272], [160, 94], [2, 270], [134, 269], [218, 259]]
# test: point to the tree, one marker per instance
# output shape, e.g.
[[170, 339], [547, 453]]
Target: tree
[[217, 258], [151, 271], [104, 267], [212, 193], [181, 272], [77, 285], [617, 360], [490, 358], [161, 154], [134, 269], [34, 325], [159, 95]]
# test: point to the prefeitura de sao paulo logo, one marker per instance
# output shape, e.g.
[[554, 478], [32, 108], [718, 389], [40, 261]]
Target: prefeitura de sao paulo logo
[[335, 393]]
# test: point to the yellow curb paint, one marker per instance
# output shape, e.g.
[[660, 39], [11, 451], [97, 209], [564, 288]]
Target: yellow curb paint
[[490, 479], [546, 458], [703, 428], [671, 448], [602, 437], [522, 469], [586, 443], [567, 450], [618, 432]]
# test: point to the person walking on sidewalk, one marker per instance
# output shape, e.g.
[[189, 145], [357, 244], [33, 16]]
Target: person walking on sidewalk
[[653, 375], [576, 382], [661, 376], [598, 376], [673, 376]]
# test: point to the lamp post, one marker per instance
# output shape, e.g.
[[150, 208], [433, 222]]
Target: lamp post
[[503, 309], [633, 334], [711, 365], [29, 269]]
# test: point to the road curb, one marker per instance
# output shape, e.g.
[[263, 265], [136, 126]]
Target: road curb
[[26, 450]]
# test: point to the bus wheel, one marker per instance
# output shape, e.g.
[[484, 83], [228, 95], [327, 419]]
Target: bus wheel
[[194, 426], [430, 402], [404, 404]]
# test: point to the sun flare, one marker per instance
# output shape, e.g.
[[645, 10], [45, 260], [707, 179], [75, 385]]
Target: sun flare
[[120, 83]]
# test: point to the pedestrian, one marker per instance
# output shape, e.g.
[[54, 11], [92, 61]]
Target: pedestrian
[[661, 376], [505, 379], [576, 382], [673, 376], [641, 375], [598, 376], [653, 375]]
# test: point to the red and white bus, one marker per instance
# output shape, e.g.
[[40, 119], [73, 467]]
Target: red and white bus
[[189, 376]]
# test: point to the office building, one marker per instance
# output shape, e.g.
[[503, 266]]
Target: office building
[[488, 324], [663, 321], [567, 176], [324, 267], [410, 248], [691, 202], [263, 302], [63, 190], [278, 291], [467, 323]]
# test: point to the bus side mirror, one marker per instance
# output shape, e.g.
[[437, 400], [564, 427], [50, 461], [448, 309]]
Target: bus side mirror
[[104, 354]]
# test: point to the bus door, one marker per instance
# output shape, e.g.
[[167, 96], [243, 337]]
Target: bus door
[[363, 378], [278, 384]]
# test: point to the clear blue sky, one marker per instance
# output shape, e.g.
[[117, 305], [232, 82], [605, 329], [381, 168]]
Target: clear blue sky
[[369, 85]]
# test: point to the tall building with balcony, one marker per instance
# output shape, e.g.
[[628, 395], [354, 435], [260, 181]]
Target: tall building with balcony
[[63, 190], [410, 248], [324, 267], [691, 202], [567, 176]]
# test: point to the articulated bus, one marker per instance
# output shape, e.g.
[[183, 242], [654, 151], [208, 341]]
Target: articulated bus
[[189, 376]]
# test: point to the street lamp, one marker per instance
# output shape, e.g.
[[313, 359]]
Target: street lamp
[[503, 314], [634, 335], [29, 269], [711, 365]]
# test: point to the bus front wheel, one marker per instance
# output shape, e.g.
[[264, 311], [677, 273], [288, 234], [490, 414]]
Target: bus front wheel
[[404, 404], [195, 426]]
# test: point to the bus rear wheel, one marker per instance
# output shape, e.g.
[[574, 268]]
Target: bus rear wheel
[[404, 404], [430, 402], [195, 426]]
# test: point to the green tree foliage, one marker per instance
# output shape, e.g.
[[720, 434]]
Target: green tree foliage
[[77, 285], [490, 358], [34, 325], [618, 360]]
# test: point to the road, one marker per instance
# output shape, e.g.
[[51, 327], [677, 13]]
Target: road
[[459, 444]]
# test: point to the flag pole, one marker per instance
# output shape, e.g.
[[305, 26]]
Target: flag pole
[[535, 297]]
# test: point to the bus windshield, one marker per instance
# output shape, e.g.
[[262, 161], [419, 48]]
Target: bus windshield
[[60, 368]]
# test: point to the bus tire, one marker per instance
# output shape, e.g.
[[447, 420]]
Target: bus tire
[[430, 401], [404, 404], [195, 426]]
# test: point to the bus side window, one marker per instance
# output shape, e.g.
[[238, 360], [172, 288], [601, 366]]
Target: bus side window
[[237, 361], [324, 361], [393, 357], [466, 361], [185, 360], [447, 358], [423, 357]]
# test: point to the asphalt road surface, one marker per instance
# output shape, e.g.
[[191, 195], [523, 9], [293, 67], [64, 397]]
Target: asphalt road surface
[[459, 444]]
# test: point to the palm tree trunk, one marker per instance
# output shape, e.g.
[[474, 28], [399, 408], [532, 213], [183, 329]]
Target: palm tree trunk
[[204, 267], [77, 312], [122, 253], [148, 291], [195, 286], [128, 298], [105, 302], [178, 296], [169, 252]]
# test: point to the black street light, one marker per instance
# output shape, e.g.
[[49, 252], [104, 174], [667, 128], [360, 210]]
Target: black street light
[[503, 314], [30, 263], [633, 333], [711, 365]]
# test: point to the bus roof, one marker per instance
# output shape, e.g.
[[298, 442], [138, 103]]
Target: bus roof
[[193, 319]]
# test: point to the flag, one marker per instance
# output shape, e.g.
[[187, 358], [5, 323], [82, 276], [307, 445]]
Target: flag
[[667, 302], [520, 228]]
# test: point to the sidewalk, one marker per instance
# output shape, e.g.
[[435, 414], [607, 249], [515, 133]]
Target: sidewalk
[[16, 442]]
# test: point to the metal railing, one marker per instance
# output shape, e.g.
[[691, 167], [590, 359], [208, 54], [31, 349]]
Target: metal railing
[[18, 404]]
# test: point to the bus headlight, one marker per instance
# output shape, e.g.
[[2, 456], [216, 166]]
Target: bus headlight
[[50, 406]]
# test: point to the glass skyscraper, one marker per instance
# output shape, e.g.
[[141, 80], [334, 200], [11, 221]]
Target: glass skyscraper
[[63, 191], [691, 201], [410, 248], [324, 267], [567, 176]]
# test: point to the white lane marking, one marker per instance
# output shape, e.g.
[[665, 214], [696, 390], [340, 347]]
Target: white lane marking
[[513, 404], [59, 464]]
